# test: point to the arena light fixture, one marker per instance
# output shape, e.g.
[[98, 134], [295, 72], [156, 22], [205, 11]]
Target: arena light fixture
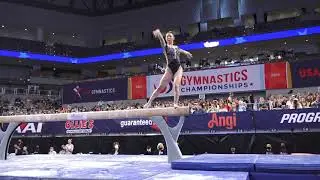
[[158, 51]]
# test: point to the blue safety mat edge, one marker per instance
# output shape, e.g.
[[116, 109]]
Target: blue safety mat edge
[[209, 163], [244, 167]]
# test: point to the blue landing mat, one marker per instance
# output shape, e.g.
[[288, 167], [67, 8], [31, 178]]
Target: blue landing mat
[[200, 175], [288, 163], [90, 167], [217, 162], [251, 163], [278, 176]]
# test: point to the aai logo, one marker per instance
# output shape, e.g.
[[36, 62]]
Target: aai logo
[[29, 128]]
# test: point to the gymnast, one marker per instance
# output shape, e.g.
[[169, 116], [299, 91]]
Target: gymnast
[[173, 70]]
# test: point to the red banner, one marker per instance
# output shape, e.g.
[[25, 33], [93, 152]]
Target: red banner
[[138, 87], [276, 75]]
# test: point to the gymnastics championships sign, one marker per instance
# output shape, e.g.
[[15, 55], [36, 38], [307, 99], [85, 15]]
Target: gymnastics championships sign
[[232, 79]]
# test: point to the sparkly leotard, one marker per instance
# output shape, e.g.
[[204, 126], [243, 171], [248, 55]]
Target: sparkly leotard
[[173, 55]]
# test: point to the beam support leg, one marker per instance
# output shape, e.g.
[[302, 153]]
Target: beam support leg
[[171, 136], [5, 137]]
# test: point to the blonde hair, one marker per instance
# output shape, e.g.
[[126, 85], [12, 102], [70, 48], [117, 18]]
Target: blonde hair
[[160, 146]]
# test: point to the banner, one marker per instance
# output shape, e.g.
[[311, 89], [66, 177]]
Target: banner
[[219, 122], [202, 123], [105, 90], [288, 120], [137, 87], [277, 75], [305, 73], [234, 79]]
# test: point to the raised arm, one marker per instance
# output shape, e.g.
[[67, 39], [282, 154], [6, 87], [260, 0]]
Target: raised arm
[[186, 53], [157, 34]]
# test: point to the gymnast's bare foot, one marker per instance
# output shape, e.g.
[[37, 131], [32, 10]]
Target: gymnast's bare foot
[[176, 105]]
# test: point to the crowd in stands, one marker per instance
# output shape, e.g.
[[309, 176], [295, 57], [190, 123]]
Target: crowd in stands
[[19, 106], [232, 103]]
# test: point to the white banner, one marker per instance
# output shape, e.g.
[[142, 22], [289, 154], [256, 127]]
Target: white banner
[[223, 80]]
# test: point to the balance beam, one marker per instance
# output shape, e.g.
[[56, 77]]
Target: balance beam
[[171, 134], [116, 114]]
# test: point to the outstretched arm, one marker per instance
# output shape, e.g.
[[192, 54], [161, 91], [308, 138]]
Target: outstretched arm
[[157, 34], [186, 53]]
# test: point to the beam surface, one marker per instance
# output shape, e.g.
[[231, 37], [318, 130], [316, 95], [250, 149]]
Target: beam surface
[[116, 114]]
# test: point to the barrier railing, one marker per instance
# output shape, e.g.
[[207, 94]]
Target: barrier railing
[[26, 91]]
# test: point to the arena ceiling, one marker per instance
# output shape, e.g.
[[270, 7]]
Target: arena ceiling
[[89, 7]]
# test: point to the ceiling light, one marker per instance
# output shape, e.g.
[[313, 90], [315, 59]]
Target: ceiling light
[[226, 50], [307, 40], [2, 26], [285, 42], [53, 33], [73, 36], [26, 29]]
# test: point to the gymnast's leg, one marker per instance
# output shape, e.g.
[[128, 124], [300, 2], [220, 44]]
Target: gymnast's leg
[[166, 78], [176, 85]]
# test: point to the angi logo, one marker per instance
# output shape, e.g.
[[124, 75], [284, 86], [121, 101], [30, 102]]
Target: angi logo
[[229, 122], [165, 90], [29, 127]]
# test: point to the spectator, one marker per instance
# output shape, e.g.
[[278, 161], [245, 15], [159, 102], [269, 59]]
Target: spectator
[[242, 105], [283, 149], [25, 150], [36, 150], [116, 147], [69, 147], [63, 149], [148, 150], [233, 150], [160, 148], [52, 151], [296, 104], [269, 149], [289, 103], [316, 103], [18, 147], [214, 107]]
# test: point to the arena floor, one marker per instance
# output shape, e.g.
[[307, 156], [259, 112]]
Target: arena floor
[[103, 167]]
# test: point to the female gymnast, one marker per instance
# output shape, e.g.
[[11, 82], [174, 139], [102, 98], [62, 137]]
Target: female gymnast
[[173, 70]]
